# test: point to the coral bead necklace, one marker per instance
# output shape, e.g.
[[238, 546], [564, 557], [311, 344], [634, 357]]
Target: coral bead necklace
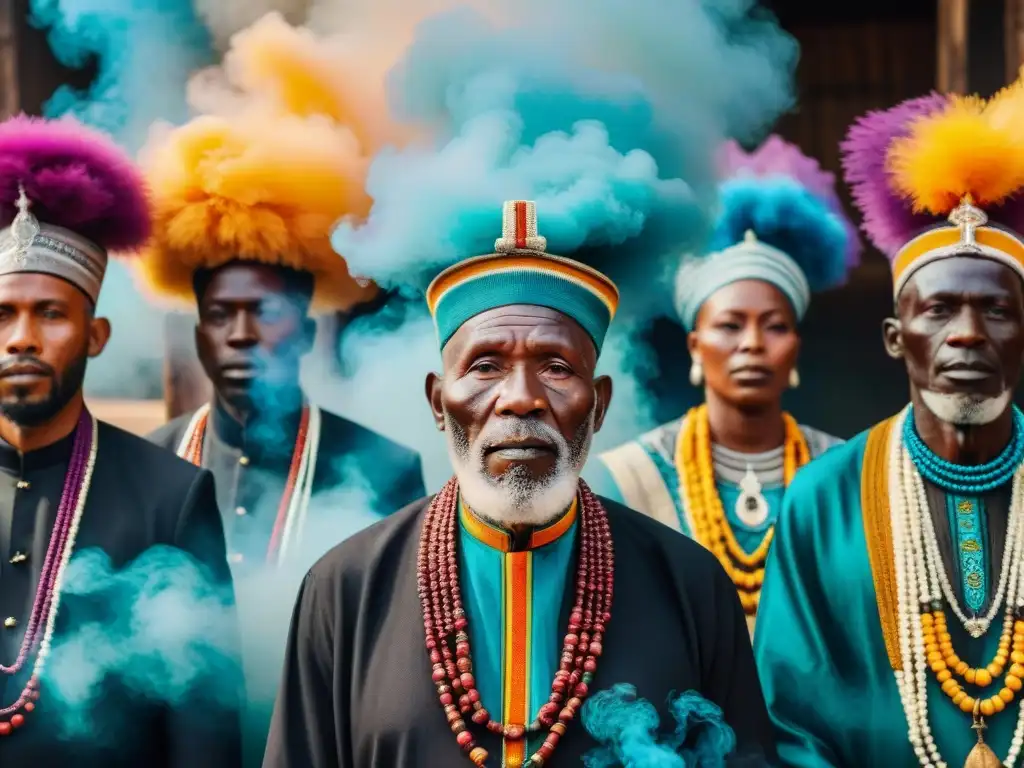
[[43, 619], [447, 633], [704, 510]]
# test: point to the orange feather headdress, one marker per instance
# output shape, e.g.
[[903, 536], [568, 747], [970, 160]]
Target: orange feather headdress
[[931, 174], [279, 159]]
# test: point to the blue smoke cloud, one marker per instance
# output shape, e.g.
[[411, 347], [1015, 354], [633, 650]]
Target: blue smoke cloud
[[627, 728], [604, 113], [266, 596], [164, 631], [144, 51]]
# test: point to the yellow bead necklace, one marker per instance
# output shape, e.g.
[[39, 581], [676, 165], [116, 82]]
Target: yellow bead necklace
[[705, 512]]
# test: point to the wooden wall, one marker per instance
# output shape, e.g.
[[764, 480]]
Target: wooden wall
[[10, 95]]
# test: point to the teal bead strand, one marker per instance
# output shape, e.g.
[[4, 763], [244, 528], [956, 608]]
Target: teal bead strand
[[963, 478]]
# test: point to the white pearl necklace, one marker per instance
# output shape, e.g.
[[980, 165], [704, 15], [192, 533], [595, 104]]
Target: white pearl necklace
[[69, 547], [921, 578]]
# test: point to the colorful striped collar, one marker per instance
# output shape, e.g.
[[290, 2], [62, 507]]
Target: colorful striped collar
[[503, 541]]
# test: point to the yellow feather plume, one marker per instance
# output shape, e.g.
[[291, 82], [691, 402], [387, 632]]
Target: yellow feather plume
[[278, 158], [970, 149], [266, 191], [293, 70]]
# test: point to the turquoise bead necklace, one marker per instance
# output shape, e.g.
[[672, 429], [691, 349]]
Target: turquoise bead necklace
[[960, 478]]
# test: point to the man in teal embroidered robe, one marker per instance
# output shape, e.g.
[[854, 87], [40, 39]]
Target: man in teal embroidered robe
[[828, 638]]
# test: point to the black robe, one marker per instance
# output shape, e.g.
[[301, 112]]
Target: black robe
[[357, 691], [250, 464], [140, 496], [251, 467]]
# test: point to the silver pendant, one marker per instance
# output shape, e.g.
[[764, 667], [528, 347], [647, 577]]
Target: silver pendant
[[23, 231], [751, 506]]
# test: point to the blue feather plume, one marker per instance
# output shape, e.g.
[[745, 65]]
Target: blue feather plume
[[785, 215]]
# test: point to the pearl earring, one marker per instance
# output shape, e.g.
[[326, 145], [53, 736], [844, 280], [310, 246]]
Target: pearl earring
[[696, 373], [794, 378]]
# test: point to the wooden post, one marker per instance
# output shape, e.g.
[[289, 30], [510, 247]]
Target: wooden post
[[185, 384], [1013, 29], [10, 93], [952, 46]]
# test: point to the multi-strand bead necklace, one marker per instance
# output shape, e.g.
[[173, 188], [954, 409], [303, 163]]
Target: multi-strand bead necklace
[[922, 585], [294, 505], [705, 514], [39, 633], [447, 628]]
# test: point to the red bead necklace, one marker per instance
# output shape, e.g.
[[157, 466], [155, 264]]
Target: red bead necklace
[[447, 629]]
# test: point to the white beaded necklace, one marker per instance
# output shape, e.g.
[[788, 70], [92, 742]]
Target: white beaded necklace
[[69, 547], [298, 502], [921, 579]]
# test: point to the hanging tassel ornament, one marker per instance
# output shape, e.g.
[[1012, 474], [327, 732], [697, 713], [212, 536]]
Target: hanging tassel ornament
[[981, 756]]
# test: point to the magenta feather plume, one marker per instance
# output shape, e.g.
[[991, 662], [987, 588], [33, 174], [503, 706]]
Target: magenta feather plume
[[889, 220], [777, 157], [76, 178]]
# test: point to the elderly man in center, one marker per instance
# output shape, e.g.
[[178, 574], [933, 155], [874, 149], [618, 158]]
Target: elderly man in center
[[471, 626]]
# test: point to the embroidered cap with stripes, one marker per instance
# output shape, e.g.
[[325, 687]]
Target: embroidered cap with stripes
[[968, 233], [521, 272]]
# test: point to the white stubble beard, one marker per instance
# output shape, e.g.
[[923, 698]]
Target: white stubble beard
[[963, 410], [514, 499]]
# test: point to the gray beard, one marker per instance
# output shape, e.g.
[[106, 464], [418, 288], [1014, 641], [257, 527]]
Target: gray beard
[[518, 497], [966, 410]]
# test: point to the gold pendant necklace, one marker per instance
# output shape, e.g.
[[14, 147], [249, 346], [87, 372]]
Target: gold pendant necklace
[[981, 756]]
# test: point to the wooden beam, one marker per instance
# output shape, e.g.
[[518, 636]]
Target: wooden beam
[[1013, 29], [951, 72], [10, 93], [185, 384]]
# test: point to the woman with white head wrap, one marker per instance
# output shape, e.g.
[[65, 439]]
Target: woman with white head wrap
[[719, 473]]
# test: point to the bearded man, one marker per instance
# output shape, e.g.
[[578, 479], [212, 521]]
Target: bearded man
[[514, 557], [891, 627], [71, 485]]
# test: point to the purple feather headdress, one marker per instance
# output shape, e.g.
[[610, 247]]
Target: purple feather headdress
[[889, 221], [778, 158], [76, 178]]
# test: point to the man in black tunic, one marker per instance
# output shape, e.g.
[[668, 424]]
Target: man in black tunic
[[276, 456], [370, 681], [70, 485], [252, 332], [257, 261]]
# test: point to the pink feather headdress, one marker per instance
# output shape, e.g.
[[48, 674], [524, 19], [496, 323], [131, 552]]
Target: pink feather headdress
[[889, 221], [75, 178]]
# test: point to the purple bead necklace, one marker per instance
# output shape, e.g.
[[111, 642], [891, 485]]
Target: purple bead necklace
[[47, 599]]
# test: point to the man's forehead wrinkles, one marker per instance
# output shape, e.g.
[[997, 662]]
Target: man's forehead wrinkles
[[518, 321]]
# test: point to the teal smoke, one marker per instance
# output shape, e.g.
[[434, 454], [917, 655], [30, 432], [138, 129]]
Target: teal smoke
[[144, 52], [627, 728], [158, 626], [161, 630], [605, 113]]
